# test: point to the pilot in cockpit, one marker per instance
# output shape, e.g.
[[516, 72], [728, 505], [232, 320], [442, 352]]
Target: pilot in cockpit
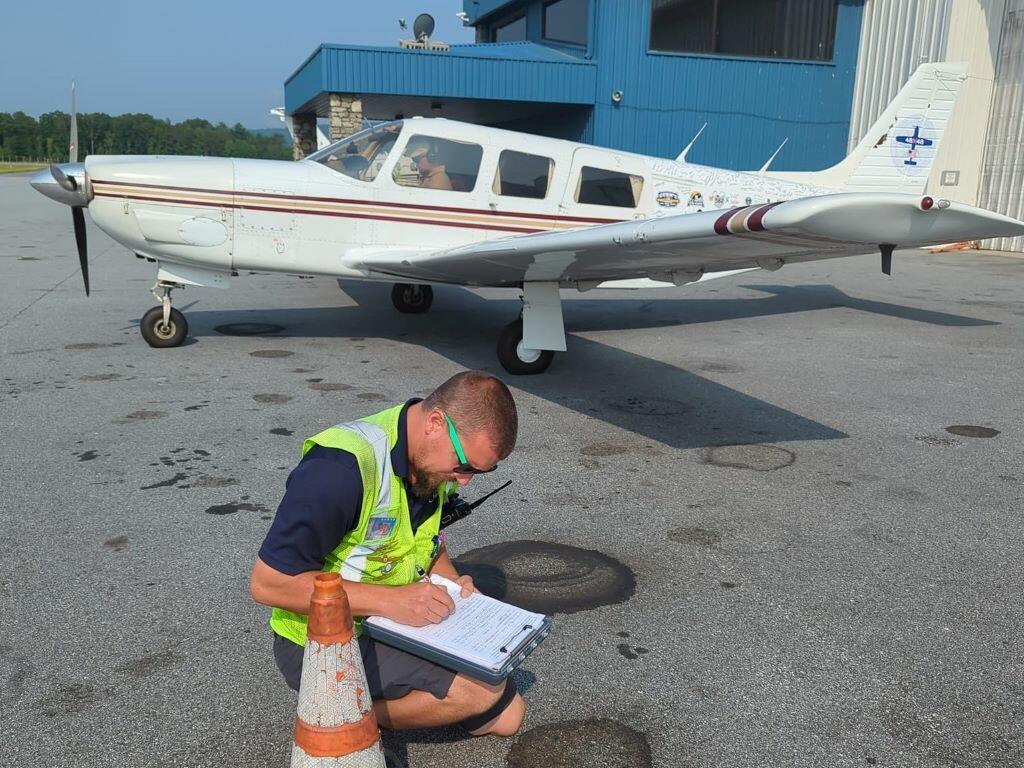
[[426, 158]]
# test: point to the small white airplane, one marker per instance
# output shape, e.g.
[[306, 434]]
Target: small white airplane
[[422, 201]]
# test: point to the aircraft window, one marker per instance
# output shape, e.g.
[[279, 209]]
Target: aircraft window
[[362, 154], [432, 163], [600, 187], [523, 175], [784, 29]]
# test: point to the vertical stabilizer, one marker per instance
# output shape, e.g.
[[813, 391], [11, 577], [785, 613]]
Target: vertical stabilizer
[[897, 153]]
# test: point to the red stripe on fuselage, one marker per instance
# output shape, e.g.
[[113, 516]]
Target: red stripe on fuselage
[[337, 214], [347, 201]]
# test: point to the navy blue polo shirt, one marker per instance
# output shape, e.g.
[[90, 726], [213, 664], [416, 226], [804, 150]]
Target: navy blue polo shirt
[[322, 501]]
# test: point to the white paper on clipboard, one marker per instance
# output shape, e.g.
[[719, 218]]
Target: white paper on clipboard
[[480, 629]]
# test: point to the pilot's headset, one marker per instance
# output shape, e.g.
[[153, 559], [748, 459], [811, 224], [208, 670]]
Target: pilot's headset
[[433, 152]]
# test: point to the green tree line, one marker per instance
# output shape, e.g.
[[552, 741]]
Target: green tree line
[[22, 137]]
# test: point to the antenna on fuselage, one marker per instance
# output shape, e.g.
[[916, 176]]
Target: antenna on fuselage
[[685, 152], [764, 168]]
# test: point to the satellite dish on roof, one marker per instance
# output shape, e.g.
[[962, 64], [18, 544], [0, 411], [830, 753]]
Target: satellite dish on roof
[[423, 27]]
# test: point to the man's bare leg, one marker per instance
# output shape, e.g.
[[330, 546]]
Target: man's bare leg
[[467, 697], [507, 723]]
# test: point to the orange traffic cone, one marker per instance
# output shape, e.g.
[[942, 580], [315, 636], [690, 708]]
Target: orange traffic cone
[[335, 724]]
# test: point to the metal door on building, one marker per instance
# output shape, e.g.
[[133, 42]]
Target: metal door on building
[[1002, 179]]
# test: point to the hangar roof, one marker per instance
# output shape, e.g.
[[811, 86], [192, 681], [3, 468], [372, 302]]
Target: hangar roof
[[520, 71]]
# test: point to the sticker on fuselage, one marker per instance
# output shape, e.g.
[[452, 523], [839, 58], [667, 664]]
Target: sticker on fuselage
[[667, 198], [696, 199]]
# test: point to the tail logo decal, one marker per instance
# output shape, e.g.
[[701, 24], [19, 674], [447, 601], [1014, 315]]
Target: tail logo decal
[[914, 142], [912, 150]]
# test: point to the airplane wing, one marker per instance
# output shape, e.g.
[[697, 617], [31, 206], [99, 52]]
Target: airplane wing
[[680, 248]]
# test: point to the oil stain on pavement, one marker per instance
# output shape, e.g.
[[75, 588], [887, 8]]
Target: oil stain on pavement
[[271, 399], [151, 663], [230, 509], [547, 577], [272, 353], [969, 430], [71, 699], [760, 458], [117, 543], [594, 743]]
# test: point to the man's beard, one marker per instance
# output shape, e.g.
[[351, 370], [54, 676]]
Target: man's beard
[[422, 484]]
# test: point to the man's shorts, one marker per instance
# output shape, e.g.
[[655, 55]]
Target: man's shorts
[[390, 673]]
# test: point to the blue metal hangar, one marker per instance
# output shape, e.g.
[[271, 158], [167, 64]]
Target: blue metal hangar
[[645, 75], [638, 75]]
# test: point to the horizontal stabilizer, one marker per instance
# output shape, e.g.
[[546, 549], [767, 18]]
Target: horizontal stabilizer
[[680, 249]]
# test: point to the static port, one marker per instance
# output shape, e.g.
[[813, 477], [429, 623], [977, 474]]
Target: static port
[[927, 203], [944, 203]]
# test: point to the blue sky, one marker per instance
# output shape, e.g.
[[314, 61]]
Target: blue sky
[[222, 60]]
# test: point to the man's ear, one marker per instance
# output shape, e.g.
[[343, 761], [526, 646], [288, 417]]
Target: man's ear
[[435, 421]]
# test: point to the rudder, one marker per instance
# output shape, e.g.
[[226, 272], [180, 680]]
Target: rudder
[[898, 151]]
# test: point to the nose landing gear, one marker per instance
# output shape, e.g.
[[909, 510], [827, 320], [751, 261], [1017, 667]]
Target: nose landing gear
[[164, 326]]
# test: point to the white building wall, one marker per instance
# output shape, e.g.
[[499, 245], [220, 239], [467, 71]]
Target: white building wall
[[1002, 179], [896, 36], [981, 160], [975, 28]]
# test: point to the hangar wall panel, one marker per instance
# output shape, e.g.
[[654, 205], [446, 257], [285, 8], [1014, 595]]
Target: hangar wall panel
[[750, 104], [896, 37], [1002, 183], [974, 32]]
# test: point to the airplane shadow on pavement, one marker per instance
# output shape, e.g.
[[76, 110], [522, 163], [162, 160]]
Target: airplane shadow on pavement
[[652, 398]]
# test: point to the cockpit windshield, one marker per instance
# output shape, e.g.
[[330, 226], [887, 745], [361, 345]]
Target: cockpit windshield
[[363, 154]]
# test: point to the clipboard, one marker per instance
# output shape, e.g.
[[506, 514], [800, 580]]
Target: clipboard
[[507, 635], [519, 647]]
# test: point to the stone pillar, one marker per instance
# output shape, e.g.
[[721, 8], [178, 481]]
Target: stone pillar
[[346, 115], [304, 128]]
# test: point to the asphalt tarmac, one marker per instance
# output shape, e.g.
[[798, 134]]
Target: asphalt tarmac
[[778, 517]]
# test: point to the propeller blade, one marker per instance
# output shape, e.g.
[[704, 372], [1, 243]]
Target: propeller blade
[[73, 147], [78, 218]]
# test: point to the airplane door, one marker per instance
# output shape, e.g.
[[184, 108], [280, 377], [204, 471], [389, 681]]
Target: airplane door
[[606, 185]]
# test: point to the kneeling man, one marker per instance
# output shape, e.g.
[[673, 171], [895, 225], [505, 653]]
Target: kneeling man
[[365, 501]]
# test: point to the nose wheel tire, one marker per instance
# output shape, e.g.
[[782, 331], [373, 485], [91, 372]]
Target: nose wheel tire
[[157, 334], [412, 299], [517, 359]]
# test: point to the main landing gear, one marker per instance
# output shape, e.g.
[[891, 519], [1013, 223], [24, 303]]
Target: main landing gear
[[517, 358], [412, 299], [527, 345], [164, 326]]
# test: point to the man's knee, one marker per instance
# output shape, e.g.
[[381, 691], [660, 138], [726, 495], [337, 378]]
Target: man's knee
[[496, 709]]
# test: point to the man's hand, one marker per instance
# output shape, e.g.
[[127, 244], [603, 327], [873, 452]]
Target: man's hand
[[419, 604], [468, 587]]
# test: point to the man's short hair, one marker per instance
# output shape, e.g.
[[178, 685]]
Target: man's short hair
[[479, 402]]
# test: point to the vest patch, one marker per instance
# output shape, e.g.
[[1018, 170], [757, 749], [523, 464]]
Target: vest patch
[[380, 527]]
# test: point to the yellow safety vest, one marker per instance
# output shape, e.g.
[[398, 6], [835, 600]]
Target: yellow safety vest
[[382, 548]]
